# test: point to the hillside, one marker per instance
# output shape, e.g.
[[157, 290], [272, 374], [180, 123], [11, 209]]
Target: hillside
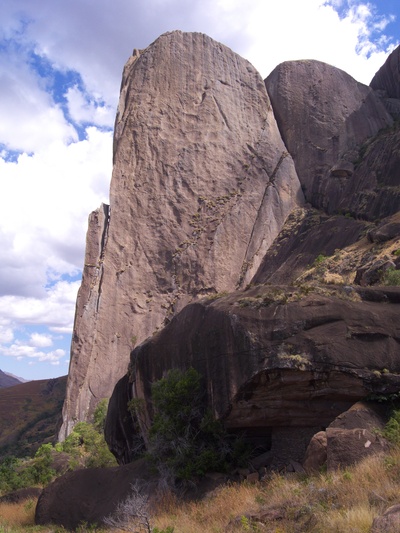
[[29, 415], [8, 381]]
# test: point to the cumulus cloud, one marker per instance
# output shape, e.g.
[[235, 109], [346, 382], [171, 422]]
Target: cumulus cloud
[[55, 310], [40, 341], [47, 199], [20, 351], [315, 29], [83, 109], [24, 105]]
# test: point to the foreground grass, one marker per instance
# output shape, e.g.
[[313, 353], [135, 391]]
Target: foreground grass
[[342, 501], [327, 503], [17, 516]]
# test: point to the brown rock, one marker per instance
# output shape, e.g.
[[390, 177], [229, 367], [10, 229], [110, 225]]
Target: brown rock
[[385, 232], [388, 76], [202, 184], [346, 447], [275, 359], [21, 495], [389, 522], [362, 415], [253, 477], [316, 454], [324, 116], [89, 495]]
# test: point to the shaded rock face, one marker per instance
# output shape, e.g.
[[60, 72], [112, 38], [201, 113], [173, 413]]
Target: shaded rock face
[[88, 496], [276, 362], [387, 83], [325, 116], [352, 436], [202, 184]]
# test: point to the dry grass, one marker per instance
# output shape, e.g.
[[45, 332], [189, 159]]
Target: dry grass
[[336, 502], [326, 503], [17, 515]]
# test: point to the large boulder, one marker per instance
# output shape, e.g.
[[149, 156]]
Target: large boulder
[[352, 436], [325, 116], [279, 363], [202, 184], [88, 496]]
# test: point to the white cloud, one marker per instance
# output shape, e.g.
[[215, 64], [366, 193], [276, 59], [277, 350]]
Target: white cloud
[[29, 119], [6, 332], [82, 109], [47, 199], [19, 351], [56, 309], [313, 29], [40, 341]]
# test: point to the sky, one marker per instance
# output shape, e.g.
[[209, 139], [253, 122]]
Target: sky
[[60, 72]]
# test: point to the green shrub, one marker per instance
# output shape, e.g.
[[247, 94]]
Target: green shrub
[[392, 428], [391, 277], [184, 441]]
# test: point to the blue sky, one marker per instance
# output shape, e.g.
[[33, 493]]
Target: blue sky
[[60, 72]]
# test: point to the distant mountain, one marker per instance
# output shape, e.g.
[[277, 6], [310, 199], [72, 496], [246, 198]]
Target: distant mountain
[[7, 380], [29, 415]]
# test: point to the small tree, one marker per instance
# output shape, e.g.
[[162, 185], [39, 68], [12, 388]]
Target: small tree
[[184, 441]]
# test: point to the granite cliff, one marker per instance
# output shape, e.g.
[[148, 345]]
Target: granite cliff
[[247, 222], [202, 184]]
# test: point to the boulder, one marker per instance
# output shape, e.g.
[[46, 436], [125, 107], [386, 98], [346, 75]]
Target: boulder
[[388, 522], [348, 439], [373, 273], [346, 447], [385, 232], [325, 116], [21, 495], [89, 495], [316, 453], [202, 184], [279, 364]]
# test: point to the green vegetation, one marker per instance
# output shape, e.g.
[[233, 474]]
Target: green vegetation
[[85, 447], [391, 277], [392, 428], [319, 259], [185, 441], [18, 473]]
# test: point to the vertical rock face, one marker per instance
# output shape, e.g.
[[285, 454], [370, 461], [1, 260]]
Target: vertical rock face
[[386, 83], [388, 76], [202, 184], [325, 116]]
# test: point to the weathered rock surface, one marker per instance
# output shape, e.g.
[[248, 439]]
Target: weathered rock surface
[[325, 116], [388, 522], [88, 496], [346, 447], [21, 495], [201, 186], [387, 83], [348, 439], [277, 362]]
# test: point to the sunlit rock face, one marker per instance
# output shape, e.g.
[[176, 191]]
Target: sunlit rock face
[[201, 186]]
